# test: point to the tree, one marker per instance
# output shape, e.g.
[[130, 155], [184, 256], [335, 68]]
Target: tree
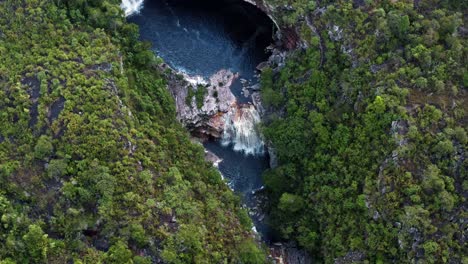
[[56, 168], [43, 148], [398, 23], [444, 148], [249, 253], [290, 203], [36, 243], [119, 254], [433, 180], [431, 248]]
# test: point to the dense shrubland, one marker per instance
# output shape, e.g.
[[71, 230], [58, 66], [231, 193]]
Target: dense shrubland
[[94, 167], [369, 125]]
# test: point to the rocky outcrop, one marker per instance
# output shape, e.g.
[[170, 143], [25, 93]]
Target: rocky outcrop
[[288, 37], [209, 109], [289, 253], [212, 158], [266, 8], [200, 103]]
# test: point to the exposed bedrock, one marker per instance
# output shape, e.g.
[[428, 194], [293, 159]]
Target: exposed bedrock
[[208, 108], [201, 104]]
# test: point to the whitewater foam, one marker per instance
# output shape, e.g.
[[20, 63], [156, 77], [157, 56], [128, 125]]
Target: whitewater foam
[[240, 130], [131, 7]]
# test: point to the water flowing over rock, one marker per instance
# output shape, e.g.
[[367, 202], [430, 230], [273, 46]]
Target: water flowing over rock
[[240, 129], [131, 7], [220, 115]]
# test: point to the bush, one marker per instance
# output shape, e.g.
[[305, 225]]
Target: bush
[[43, 148]]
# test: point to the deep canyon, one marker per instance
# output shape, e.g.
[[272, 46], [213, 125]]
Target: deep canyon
[[233, 131], [216, 46]]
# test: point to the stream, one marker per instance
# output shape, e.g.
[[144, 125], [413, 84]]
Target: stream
[[199, 38]]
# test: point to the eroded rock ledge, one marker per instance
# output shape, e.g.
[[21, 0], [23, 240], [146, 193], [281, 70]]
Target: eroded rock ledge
[[202, 104]]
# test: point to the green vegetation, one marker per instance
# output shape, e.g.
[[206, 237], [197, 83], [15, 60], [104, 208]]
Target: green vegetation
[[94, 167], [199, 94], [368, 123], [369, 126]]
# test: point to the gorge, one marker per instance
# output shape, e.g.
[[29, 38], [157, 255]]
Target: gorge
[[339, 129], [215, 46]]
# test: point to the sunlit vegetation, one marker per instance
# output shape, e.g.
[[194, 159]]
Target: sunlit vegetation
[[94, 167]]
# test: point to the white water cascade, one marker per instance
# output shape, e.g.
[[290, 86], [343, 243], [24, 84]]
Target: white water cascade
[[240, 129], [131, 7]]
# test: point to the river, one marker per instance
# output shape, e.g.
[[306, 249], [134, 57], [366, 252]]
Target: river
[[200, 38]]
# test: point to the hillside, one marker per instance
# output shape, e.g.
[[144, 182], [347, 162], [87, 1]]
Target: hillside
[[94, 167], [368, 120], [365, 115]]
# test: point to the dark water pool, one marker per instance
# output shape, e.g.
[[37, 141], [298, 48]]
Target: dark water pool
[[201, 37]]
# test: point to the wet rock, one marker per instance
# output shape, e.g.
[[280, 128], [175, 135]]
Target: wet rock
[[245, 92], [211, 157], [262, 66], [219, 115], [240, 129], [257, 102], [273, 157], [267, 9], [258, 190], [255, 87]]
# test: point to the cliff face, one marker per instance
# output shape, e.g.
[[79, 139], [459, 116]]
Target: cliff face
[[287, 37]]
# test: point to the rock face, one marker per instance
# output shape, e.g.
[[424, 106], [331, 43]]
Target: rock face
[[289, 253], [211, 157], [210, 109], [201, 104], [288, 36]]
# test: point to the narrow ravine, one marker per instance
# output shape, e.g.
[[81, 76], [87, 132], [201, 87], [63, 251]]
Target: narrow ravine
[[209, 41]]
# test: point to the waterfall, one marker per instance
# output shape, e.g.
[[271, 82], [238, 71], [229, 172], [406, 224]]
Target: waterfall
[[241, 131], [131, 7]]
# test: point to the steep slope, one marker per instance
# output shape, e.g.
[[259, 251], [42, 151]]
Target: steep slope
[[94, 166], [368, 120]]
